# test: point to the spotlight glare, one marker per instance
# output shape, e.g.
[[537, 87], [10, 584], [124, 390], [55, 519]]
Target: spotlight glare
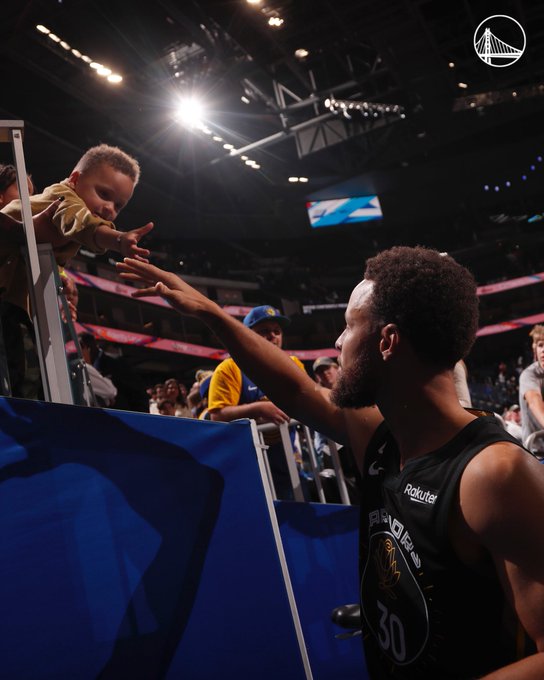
[[95, 65], [115, 78], [103, 71], [189, 112], [217, 138], [86, 59]]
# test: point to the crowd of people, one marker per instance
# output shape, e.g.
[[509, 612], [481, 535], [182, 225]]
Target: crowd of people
[[451, 552]]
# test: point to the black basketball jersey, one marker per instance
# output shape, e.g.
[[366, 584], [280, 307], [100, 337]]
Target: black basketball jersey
[[425, 615]]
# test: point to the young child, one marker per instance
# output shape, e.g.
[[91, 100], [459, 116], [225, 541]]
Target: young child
[[98, 188], [87, 203]]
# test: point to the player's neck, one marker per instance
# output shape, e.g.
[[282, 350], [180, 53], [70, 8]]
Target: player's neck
[[423, 415]]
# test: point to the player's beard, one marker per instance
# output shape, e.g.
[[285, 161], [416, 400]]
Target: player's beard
[[357, 385]]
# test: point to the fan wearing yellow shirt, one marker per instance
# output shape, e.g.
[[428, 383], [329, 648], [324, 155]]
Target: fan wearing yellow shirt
[[232, 395]]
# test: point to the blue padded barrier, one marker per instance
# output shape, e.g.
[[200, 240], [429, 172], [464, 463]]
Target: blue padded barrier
[[321, 547], [136, 546]]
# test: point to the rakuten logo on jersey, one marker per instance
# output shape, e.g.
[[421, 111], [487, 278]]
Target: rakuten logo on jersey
[[419, 495]]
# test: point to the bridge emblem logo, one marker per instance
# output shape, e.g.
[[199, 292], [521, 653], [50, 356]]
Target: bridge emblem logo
[[499, 40]]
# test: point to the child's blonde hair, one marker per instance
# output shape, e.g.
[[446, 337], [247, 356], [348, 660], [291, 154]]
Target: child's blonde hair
[[112, 156], [537, 333]]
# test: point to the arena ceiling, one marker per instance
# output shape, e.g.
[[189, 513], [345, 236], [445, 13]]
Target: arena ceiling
[[408, 55]]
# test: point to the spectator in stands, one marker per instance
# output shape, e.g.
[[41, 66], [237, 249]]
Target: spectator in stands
[[531, 385], [512, 421], [460, 379], [109, 361], [157, 395], [9, 190], [166, 407], [99, 186], [452, 542], [172, 391], [21, 365], [197, 398], [103, 388], [232, 395], [71, 293], [326, 372]]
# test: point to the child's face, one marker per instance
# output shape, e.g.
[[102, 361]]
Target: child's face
[[104, 190]]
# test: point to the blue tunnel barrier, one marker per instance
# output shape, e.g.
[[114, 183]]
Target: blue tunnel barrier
[[145, 547]]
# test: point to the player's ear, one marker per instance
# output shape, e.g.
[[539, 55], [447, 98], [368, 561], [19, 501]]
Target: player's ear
[[389, 340]]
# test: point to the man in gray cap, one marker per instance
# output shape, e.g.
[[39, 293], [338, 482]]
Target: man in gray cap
[[326, 371]]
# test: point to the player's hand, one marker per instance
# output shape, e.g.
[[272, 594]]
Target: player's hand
[[167, 285]]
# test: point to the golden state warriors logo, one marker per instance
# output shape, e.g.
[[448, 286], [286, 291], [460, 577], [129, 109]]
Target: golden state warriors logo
[[499, 40], [386, 567], [392, 602]]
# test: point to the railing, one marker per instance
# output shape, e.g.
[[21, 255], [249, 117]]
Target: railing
[[308, 466]]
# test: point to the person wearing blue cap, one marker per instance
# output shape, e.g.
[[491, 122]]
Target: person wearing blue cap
[[232, 395]]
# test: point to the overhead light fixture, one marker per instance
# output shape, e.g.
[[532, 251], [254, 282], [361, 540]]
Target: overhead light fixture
[[451, 64], [301, 53], [253, 2], [275, 22], [100, 69], [366, 109], [463, 86], [189, 112], [293, 179], [228, 146], [244, 99]]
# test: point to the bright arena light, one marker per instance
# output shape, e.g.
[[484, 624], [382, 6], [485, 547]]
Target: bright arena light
[[189, 112]]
